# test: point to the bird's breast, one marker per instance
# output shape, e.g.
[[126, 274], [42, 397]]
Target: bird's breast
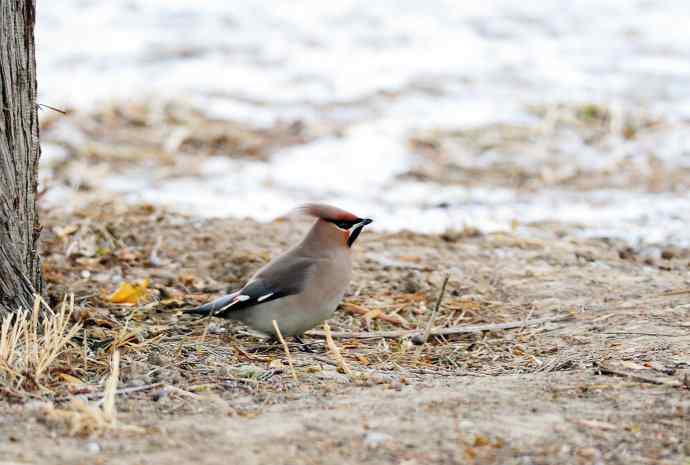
[[330, 280]]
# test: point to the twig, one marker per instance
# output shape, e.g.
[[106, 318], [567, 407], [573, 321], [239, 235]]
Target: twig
[[626, 333], [606, 369], [466, 329], [95, 395], [179, 391], [426, 371], [527, 317], [421, 339], [287, 350], [335, 351], [672, 293], [325, 360], [118, 392], [596, 424], [39, 105]]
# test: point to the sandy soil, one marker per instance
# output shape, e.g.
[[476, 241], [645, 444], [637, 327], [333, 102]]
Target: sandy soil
[[607, 385]]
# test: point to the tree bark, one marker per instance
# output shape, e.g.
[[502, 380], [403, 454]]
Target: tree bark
[[20, 267]]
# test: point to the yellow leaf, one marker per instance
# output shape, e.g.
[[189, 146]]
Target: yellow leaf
[[371, 314], [635, 428], [481, 441], [130, 293], [276, 364]]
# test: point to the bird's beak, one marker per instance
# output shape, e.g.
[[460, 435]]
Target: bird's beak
[[361, 222]]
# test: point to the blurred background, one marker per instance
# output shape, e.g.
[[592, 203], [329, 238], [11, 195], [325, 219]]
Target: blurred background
[[567, 117]]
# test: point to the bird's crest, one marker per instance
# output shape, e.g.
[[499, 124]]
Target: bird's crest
[[323, 211]]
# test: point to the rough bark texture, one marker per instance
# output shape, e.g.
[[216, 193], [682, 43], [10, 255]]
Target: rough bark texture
[[20, 269]]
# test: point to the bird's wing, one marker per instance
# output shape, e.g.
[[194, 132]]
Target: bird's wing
[[284, 277], [212, 307]]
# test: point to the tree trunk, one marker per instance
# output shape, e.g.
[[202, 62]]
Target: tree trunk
[[20, 267]]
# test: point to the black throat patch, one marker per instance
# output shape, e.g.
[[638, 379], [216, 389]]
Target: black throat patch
[[354, 234]]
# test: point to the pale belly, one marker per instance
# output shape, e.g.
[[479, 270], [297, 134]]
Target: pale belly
[[289, 313]]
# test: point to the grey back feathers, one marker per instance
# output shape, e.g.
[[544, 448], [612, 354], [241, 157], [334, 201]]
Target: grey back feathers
[[279, 279]]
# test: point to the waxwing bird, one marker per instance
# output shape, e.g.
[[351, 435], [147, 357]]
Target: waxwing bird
[[302, 287]]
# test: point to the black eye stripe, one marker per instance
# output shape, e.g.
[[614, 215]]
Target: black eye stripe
[[343, 224]]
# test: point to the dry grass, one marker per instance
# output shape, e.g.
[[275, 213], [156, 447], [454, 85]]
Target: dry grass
[[32, 342], [79, 417], [287, 351], [335, 351], [36, 351]]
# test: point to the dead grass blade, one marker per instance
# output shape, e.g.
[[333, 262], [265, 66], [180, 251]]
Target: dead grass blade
[[335, 351], [287, 350], [84, 418], [462, 329], [109, 411], [606, 369], [420, 339], [31, 343]]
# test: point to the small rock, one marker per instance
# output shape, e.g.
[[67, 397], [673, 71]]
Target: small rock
[[376, 438], [626, 253], [215, 328], [161, 394], [413, 282], [93, 447], [669, 253]]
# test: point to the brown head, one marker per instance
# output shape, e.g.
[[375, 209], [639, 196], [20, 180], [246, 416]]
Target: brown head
[[334, 226]]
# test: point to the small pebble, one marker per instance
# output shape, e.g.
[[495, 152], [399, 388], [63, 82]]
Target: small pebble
[[161, 394], [413, 282], [93, 447], [626, 253], [668, 254], [215, 328], [376, 438]]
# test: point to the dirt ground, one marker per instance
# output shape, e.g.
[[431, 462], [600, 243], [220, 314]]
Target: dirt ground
[[605, 381]]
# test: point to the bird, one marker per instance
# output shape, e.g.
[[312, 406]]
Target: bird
[[302, 287]]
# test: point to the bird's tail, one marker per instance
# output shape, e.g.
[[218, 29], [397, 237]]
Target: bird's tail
[[212, 307]]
